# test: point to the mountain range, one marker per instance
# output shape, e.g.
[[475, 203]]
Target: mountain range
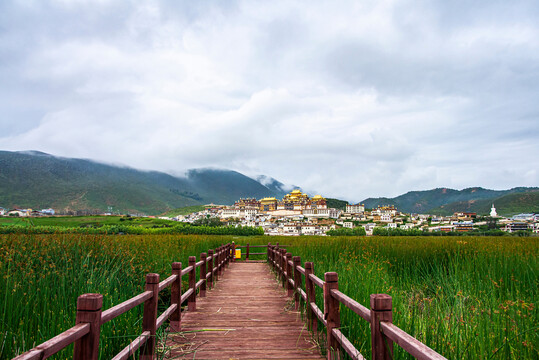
[[33, 179], [444, 201], [37, 180]]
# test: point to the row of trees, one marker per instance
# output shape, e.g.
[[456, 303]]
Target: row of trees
[[357, 231], [183, 229], [380, 231]]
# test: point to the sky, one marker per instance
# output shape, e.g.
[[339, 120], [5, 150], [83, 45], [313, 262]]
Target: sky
[[350, 99]]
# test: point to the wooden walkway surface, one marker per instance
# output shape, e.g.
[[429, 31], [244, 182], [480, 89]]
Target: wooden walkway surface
[[246, 316]]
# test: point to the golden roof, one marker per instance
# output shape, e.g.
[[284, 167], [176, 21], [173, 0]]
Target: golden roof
[[269, 199], [318, 197], [297, 191]]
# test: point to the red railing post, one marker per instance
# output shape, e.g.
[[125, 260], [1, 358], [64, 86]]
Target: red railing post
[[274, 257], [381, 310], [203, 258], [88, 311], [234, 251], [221, 259], [268, 253], [149, 317], [297, 280], [176, 295], [332, 314], [216, 266], [311, 296], [247, 252], [227, 255], [282, 258], [210, 268], [289, 287], [191, 301]]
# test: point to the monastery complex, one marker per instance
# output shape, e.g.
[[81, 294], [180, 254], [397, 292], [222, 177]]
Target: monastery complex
[[294, 203]]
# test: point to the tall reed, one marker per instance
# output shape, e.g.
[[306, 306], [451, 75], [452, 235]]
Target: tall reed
[[42, 276], [468, 298]]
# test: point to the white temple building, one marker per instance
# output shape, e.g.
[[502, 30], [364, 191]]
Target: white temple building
[[493, 212]]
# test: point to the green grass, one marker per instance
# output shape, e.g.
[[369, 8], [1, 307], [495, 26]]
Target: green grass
[[42, 276], [466, 297], [83, 221], [184, 210]]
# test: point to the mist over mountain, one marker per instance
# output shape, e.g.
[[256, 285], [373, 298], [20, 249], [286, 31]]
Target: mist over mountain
[[33, 179], [38, 180]]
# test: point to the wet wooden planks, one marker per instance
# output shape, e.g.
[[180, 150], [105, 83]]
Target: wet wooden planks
[[246, 316]]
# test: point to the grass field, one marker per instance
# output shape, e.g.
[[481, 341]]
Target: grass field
[[464, 297], [84, 221], [42, 276], [184, 210]]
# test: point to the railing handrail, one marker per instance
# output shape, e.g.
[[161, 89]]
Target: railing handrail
[[383, 331], [85, 334]]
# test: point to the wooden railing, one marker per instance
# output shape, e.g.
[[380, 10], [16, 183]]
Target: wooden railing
[[248, 247], [383, 332], [90, 317]]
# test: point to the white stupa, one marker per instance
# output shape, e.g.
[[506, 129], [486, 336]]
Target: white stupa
[[493, 211]]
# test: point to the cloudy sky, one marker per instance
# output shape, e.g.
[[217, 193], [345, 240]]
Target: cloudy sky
[[349, 99]]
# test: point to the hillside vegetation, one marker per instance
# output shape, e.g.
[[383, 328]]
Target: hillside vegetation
[[186, 210], [446, 201], [37, 180], [507, 205]]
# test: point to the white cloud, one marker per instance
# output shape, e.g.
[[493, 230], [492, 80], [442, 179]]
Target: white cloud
[[350, 99]]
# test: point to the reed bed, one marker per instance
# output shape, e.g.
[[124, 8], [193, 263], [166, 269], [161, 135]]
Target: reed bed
[[468, 298], [42, 276]]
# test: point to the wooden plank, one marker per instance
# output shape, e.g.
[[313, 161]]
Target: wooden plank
[[187, 270], [352, 305], [57, 343], [246, 316], [347, 345], [167, 282], [316, 280], [134, 346], [412, 346], [127, 305], [166, 314]]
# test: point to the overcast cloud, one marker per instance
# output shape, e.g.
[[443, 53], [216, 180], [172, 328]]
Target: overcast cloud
[[350, 99]]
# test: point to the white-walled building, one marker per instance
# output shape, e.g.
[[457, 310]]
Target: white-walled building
[[355, 209]]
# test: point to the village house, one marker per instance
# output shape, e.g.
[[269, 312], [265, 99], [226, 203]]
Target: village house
[[19, 212], [309, 230], [369, 228], [290, 229], [2, 211], [515, 226], [463, 226], [355, 209]]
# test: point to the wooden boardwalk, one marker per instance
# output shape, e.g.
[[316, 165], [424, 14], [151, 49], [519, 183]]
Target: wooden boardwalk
[[246, 316]]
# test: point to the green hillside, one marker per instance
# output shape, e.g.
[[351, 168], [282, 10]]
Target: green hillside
[[506, 205], [439, 199], [184, 210], [37, 180], [336, 203]]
